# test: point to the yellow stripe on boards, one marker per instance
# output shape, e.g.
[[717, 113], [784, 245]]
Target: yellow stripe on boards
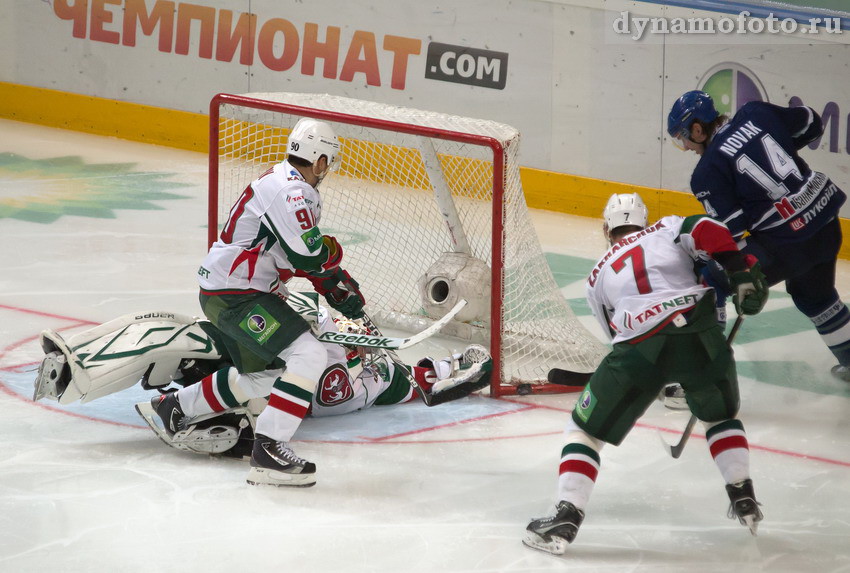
[[548, 190]]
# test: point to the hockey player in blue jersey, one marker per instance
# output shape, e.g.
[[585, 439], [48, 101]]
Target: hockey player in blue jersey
[[751, 177]]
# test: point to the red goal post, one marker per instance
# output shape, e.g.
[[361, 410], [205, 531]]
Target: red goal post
[[429, 208]]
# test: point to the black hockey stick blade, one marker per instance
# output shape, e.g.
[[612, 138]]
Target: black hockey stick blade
[[677, 449], [568, 377]]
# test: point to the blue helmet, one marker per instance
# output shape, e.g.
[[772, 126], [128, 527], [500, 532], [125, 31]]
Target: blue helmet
[[693, 106]]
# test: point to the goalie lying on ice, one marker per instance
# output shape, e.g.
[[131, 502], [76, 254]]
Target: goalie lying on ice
[[160, 348]]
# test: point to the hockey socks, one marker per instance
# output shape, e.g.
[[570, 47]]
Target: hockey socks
[[730, 449], [215, 393], [289, 402], [833, 324], [577, 473]]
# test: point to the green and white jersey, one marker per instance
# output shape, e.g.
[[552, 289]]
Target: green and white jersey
[[648, 279], [273, 227]]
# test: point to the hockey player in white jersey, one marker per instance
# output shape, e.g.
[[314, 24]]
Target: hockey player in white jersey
[[353, 378], [272, 234], [647, 295], [164, 349]]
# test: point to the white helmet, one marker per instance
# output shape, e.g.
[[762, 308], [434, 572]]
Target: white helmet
[[310, 139], [625, 209]]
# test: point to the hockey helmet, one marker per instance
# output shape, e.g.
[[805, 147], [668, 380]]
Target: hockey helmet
[[348, 326], [625, 209], [693, 106], [345, 325], [310, 139]]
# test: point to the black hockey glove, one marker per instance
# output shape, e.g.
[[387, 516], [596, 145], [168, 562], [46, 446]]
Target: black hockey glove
[[749, 289]]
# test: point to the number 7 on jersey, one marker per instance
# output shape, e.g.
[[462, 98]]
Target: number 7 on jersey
[[638, 265]]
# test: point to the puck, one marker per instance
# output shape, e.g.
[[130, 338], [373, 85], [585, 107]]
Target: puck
[[523, 389]]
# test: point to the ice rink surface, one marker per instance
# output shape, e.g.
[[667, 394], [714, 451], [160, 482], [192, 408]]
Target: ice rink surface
[[94, 227]]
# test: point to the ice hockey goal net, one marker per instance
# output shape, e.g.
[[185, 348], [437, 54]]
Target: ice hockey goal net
[[429, 208]]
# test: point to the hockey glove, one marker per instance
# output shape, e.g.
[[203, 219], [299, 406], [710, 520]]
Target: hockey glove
[[346, 297], [334, 253], [749, 288], [340, 290]]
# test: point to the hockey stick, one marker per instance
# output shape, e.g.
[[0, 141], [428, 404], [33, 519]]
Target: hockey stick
[[568, 377], [377, 340], [392, 355], [677, 449]]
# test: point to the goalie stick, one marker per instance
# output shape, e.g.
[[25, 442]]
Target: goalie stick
[[393, 355], [676, 450], [377, 340]]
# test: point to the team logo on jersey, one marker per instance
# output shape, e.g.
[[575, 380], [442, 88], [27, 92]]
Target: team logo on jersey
[[731, 85], [313, 239], [294, 176], [334, 386], [259, 324], [585, 404], [256, 323]]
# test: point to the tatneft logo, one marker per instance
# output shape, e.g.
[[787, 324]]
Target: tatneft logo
[[731, 85], [462, 65]]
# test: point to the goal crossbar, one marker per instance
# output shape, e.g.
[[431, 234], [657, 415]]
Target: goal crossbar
[[495, 331]]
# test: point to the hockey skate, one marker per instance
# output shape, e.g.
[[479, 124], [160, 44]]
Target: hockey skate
[[743, 504], [167, 407], [274, 463], [841, 372], [553, 534], [229, 433]]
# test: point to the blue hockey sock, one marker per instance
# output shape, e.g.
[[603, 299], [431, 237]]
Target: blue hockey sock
[[833, 324]]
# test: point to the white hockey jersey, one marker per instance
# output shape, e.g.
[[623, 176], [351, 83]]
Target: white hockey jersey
[[646, 280], [272, 227], [345, 385]]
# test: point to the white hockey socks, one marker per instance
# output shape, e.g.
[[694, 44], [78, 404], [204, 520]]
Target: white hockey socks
[[579, 466], [727, 442], [215, 393], [289, 402]]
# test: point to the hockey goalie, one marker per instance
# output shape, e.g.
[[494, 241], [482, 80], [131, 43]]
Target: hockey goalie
[[163, 350]]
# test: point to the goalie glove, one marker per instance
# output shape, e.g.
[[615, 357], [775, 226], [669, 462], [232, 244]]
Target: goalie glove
[[749, 287]]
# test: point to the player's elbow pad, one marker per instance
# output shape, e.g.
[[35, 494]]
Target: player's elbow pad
[[814, 131]]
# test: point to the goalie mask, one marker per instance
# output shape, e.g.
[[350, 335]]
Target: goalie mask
[[348, 326], [625, 209], [310, 139]]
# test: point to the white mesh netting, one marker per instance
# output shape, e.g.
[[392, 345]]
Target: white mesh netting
[[380, 203]]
